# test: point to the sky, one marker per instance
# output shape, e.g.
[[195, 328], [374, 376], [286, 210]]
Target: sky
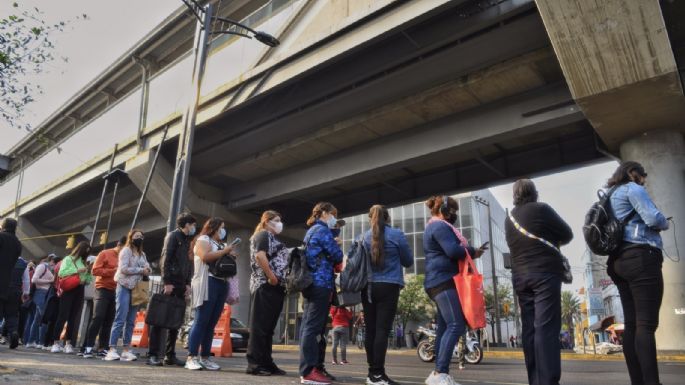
[[112, 27]]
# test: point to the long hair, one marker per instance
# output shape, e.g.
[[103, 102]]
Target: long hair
[[211, 226], [318, 210], [434, 204], [378, 217], [81, 251], [524, 192], [129, 240], [267, 216], [622, 174]]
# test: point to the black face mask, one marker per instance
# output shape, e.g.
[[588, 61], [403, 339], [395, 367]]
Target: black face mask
[[452, 218], [137, 242]]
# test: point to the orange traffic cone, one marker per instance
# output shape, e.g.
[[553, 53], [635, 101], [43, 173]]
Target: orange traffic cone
[[140, 337], [221, 344]]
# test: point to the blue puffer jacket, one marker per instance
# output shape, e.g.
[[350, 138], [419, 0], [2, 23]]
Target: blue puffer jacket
[[397, 254], [323, 253], [442, 249], [644, 227]]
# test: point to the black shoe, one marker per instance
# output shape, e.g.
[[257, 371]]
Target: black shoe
[[14, 340], [153, 361], [380, 379], [276, 371], [173, 361], [327, 375], [259, 371]]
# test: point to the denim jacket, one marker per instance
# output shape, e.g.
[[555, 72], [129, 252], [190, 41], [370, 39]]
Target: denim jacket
[[323, 254], [397, 254], [643, 228]]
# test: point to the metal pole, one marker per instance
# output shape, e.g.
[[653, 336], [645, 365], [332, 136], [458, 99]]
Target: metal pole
[[185, 143], [498, 330], [149, 178], [144, 99], [111, 211], [102, 197], [20, 183]]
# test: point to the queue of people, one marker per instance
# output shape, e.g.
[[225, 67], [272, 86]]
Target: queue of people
[[534, 233]]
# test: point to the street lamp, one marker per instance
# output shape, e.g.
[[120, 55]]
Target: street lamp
[[498, 330], [204, 16]]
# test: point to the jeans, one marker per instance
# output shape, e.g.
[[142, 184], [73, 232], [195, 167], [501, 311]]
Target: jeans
[[156, 333], [378, 317], [28, 322], [340, 336], [451, 326], [206, 317], [37, 329], [314, 317], [637, 275], [124, 318], [70, 306], [104, 309], [267, 303], [540, 300]]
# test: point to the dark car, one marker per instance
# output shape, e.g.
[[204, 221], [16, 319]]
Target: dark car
[[239, 335]]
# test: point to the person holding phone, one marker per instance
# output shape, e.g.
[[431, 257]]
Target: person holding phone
[[208, 292]]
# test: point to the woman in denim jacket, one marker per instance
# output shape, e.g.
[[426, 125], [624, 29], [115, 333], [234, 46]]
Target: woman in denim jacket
[[636, 269]]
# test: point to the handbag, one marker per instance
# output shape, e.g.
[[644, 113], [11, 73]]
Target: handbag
[[68, 283], [469, 284], [165, 311], [233, 290], [567, 277], [225, 266], [140, 293]]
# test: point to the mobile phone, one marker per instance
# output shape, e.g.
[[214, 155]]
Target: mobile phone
[[484, 245], [236, 241]]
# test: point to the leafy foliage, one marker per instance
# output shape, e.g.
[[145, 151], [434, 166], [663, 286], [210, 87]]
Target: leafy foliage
[[506, 304], [414, 304], [570, 309], [26, 47]]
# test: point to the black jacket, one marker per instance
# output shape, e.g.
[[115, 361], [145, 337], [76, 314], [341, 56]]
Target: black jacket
[[177, 268], [10, 249], [530, 255]]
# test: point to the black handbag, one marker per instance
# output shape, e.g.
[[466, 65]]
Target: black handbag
[[165, 311], [224, 267]]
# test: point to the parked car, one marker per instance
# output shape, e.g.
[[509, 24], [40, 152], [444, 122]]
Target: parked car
[[239, 335]]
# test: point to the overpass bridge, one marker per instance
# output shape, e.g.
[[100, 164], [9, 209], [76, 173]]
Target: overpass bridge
[[366, 101]]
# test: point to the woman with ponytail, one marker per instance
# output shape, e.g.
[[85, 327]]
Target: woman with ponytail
[[389, 253]]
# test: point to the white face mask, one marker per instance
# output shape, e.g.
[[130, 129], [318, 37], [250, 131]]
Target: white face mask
[[332, 221], [192, 231], [277, 227]]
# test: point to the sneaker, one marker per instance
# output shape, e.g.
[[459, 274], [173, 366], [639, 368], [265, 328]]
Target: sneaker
[[102, 353], [14, 340], [446, 379], [334, 362], [128, 356], [88, 353], [112, 355], [344, 362], [380, 379], [208, 364], [3, 340], [315, 377], [68, 349], [56, 348], [327, 375], [30, 345], [276, 371], [193, 363], [46, 347], [173, 361], [153, 361], [259, 371]]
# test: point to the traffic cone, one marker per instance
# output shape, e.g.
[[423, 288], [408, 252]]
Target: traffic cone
[[140, 337], [221, 344]]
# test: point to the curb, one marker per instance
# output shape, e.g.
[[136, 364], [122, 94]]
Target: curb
[[514, 354]]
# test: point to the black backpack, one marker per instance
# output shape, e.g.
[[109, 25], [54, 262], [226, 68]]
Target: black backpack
[[357, 270], [298, 276], [602, 231]]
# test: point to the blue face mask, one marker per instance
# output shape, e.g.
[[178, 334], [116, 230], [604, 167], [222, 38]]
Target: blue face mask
[[332, 221], [222, 233], [192, 231]]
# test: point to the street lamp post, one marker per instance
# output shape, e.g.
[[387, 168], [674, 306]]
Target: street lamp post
[[498, 329], [204, 16]]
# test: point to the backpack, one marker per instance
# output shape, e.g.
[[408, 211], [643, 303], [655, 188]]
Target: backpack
[[297, 275], [602, 231], [357, 270]]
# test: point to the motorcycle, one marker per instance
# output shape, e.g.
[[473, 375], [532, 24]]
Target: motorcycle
[[471, 351]]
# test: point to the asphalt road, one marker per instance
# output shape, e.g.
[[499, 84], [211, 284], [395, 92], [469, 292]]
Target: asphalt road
[[29, 366]]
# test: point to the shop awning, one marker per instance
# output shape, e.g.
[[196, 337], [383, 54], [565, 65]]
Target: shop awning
[[603, 324]]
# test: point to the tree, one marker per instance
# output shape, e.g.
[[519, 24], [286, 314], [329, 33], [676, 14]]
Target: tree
[[505, 297], [570, 310], [26, 46], [414, 304]]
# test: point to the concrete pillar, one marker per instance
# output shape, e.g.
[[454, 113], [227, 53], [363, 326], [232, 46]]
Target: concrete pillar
[[662, 153]]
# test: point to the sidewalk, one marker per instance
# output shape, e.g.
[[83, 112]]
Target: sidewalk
[[508, 353]]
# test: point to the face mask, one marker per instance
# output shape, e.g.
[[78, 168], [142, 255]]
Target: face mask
[[192, 231], [222, 233], [332, 221], [452, 218], [277, 227], [137, 242]]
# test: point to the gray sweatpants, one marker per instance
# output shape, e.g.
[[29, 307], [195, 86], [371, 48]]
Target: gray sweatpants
[[340, 335]]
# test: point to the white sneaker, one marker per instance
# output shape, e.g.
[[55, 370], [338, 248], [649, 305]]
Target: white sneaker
[[46, 348], [128, 356], [112, 355], [56, 348], [193, 363], [30, 345], [68, 349], [446, 379], [209, 364]]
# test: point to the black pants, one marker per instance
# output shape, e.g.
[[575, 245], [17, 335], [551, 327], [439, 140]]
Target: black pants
[[379, 315], [9, 311], [540, 301], [157, 333], [267, 303], [637, 275], [104, 305], [50, 317], [70, 306]]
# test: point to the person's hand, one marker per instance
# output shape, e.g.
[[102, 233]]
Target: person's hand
[[479, 252], [187, 293], [24, 297], [273, 281], [228, 250], [338, 268], [146, 271], [339, 241], [168, 289]]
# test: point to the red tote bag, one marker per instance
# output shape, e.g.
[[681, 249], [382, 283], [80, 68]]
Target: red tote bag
[[469, 283]]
